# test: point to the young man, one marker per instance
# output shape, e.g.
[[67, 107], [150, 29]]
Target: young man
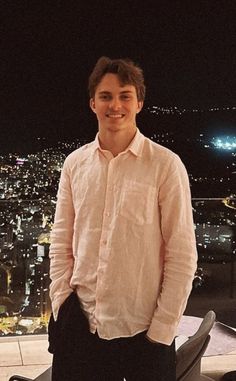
[[123, 252]]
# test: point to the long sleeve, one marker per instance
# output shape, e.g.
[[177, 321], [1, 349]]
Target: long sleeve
[[61, 256], [180, 256], [124, 223]]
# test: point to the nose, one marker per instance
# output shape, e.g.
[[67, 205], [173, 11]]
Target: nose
[[115, 103]]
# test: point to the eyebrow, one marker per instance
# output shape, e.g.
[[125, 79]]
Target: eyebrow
[[122, 92]]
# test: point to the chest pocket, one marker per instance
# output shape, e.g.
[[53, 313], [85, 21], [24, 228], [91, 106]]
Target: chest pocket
[[138, 202]]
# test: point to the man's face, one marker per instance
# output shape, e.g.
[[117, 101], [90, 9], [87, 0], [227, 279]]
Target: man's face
[[115, 105]]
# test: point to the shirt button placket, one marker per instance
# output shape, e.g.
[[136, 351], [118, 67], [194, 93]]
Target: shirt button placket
[[107, 202]]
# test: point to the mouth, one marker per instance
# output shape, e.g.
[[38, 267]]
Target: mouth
[[115, 116]]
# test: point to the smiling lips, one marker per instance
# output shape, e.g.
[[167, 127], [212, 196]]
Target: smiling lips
[[115, 116]]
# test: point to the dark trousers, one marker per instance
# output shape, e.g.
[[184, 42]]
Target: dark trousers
[[79, 355]]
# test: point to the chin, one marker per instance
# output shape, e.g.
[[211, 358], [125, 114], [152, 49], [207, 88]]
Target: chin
[[115, 128]]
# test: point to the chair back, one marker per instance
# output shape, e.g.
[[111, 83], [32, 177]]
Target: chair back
[[45, 376], [189, 353]]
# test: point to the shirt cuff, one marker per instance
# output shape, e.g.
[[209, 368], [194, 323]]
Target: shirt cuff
[[162, 333]]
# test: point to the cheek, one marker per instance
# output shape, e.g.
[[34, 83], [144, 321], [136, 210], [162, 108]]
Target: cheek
[[100, 114]]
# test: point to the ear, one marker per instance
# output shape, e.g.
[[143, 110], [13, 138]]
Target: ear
[[140, 106], [92, 105]]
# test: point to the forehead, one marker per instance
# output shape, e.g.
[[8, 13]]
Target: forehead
[[111, 82]]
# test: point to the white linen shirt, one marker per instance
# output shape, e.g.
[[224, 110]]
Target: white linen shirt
[[123, 238]]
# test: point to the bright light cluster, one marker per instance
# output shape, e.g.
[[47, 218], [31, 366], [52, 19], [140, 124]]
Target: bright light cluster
[[225, 143]]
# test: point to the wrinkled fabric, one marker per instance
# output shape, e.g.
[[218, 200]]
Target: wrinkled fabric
[[123, 238]]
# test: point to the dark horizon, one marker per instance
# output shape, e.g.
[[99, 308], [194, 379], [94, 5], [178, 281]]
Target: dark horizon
[[84, 128]]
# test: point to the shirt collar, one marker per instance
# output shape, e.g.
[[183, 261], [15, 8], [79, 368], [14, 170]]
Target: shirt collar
[[96, 144], [135, 146]]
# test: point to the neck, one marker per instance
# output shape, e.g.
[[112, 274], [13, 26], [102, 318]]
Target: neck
[[116, 142]]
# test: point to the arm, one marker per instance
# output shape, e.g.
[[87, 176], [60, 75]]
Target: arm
[[61, 255], [179, 256]]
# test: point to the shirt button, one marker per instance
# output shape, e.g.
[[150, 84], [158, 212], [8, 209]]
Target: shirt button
[[107, 214], [104, 242]]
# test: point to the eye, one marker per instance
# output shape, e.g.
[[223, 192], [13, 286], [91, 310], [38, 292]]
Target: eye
[[104, 97], [125, 97]]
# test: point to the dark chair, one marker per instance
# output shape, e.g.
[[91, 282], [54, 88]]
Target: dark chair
[[229, 376], [189, 354], [45, 376]]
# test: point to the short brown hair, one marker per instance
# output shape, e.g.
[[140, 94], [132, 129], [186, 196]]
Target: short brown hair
[[128, 72]]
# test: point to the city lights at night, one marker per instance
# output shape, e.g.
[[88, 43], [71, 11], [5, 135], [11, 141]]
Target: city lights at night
[[28, 188], [225, 143], [187, 56]]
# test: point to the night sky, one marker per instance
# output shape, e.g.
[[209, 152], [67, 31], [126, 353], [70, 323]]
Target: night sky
[[48, 49]]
